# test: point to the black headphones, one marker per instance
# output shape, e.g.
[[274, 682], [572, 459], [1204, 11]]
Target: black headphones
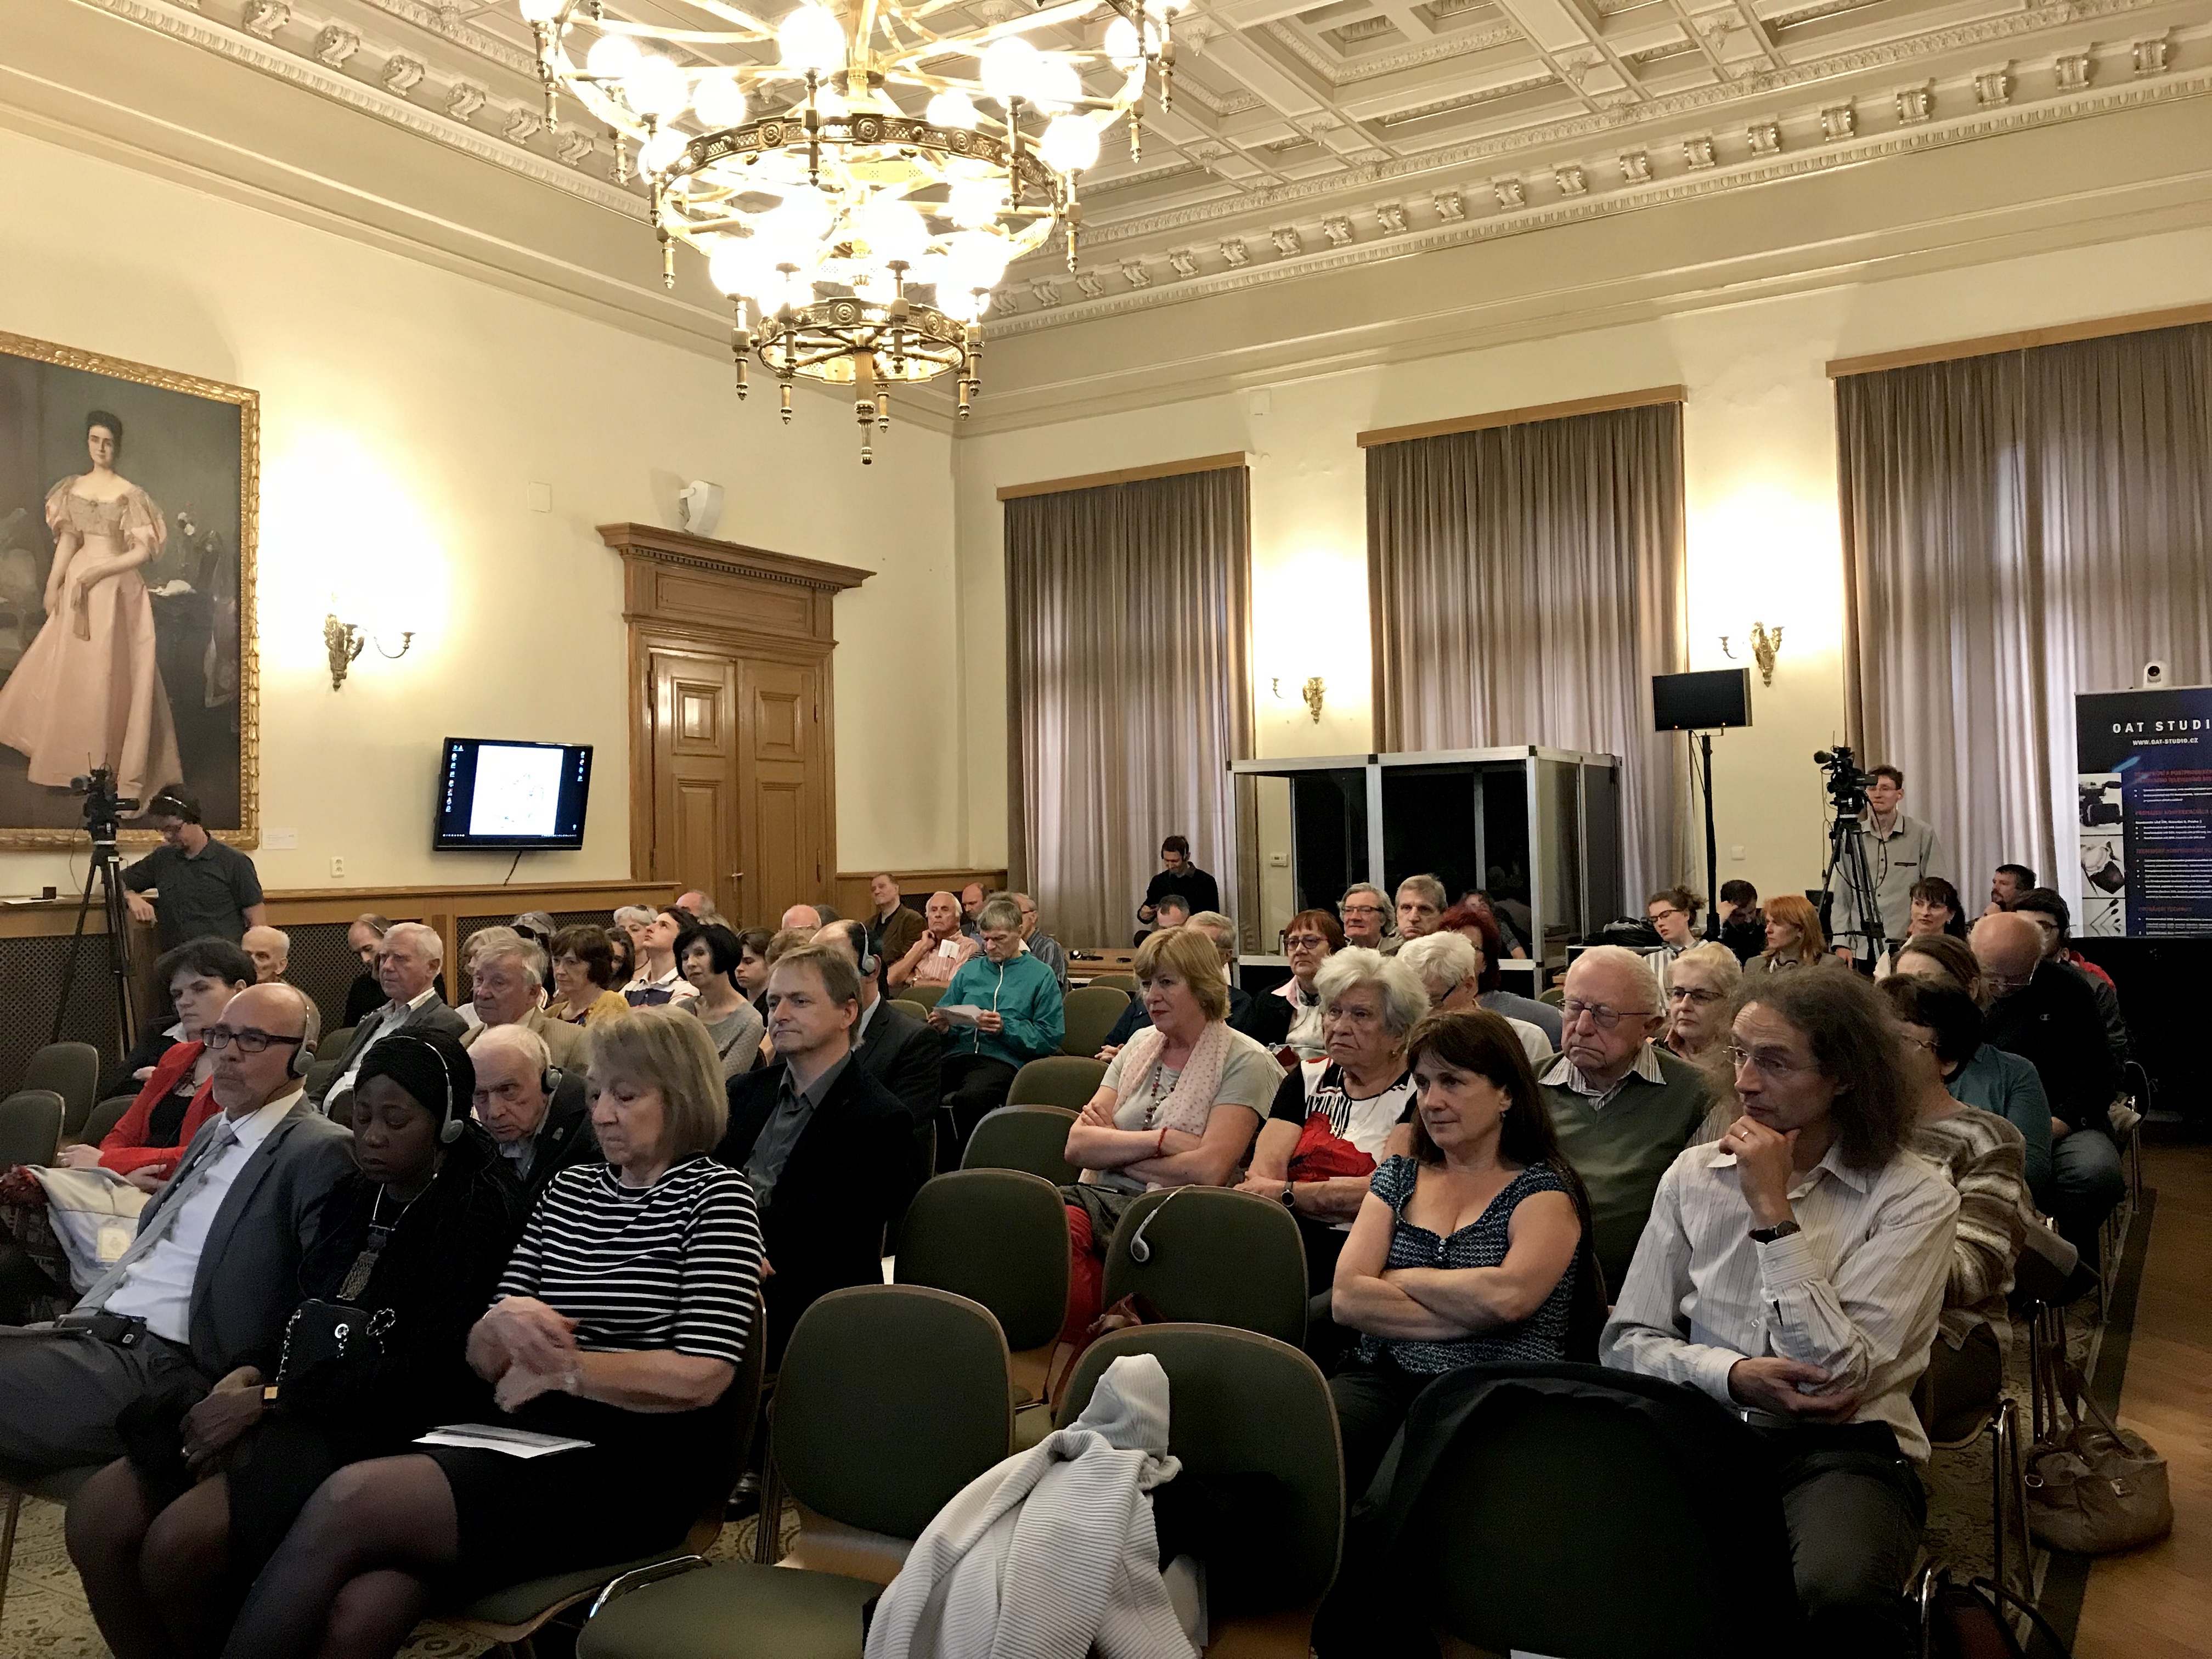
[[303, 1058], [549, 1080], [450, 1130]]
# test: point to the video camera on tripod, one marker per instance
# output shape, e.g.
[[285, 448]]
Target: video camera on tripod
[[103, 814], [1847, 784], [103, 808], [1847, 854]]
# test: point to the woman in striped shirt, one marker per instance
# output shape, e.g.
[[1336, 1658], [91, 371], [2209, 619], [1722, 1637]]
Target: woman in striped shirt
[[622, 1319]]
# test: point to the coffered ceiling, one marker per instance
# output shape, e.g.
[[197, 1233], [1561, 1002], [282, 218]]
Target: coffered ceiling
[[1303, 137]]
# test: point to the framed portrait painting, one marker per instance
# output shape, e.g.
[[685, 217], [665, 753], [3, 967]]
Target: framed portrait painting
[[128, 505]]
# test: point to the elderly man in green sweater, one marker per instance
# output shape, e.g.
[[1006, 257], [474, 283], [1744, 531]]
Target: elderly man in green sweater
[[1622, 1105], [1017, 1018]]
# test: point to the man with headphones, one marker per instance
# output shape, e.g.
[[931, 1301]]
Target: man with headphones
[[537, 1113], [205, 888], [889, 1043], [213, 1271]]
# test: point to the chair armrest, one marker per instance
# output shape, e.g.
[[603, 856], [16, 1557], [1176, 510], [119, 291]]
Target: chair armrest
[[644, 1576]]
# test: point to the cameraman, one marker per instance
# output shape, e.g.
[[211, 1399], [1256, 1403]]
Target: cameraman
[[206, 889], [1900, 850]]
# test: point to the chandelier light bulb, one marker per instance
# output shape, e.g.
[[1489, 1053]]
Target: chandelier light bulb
[[541, 11], [1123, 48], [733, 267], [894, 231], [976, 259], [1070, 144], [1057, 86], [811, 37], [720, 102], [612, 57], [951, 109], [1009, 68], [973, 204], [659, 153], [657, 88]]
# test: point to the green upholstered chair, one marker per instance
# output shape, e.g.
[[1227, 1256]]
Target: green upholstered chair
[[1090, 1013], [71, 1070], [1213, 1257], [1067, 1080], [1032, 1138], [922, 996], [104, 1118], [1125, 984], [999, 1237], [30, 1127]]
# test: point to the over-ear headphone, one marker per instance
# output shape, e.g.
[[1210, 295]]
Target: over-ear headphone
[[1139, 1251], [549, 1080], [303, 1058], [449, 1130]]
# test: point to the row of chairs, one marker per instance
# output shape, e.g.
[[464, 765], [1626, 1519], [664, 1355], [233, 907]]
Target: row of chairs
[[1090, 1010]]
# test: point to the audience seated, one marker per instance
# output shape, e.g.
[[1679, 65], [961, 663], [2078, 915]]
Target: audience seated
[[971, 910], [1334, 1120], [709, 961], [660, 978], [934, 958], [1699, 987], [1936, 909], [2009, 882], [1451, 971], [892, 1046], [2050, 913], [633, 920], [1622, 1106], [1985, 1159], [1464, 1252], [803, 919], [1020, 1018], [1366, 909], [1510, 916], [1419, 909], [753, 964], [1989, 1078], [1178, 1107], [366, 995], [214, 1270], [155, 1038], [1673, 913], [271, 950], [1477, 923], [506, 981], [537, 1114], [1743, 924], [584, 977], [826, 1148], [622, 1317], [696, 903], [168, 1538], [1268, 1026], [892, 927], [1795, 1271], [2043, 1011], [1793, 939], [1310, 938], [622, 951], [1038, 943], [407, 959], [1179, 875]]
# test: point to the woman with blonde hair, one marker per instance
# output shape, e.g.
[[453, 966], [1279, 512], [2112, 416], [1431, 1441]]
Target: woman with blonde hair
[[1703, 979], [1793, 939], [622, 1319]]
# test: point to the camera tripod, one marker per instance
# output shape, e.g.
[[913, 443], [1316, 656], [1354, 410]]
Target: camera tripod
[[106, 869], [1847, 852]]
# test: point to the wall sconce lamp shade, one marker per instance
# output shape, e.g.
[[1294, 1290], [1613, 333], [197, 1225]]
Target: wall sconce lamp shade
[[345, 642], [1765, 646]]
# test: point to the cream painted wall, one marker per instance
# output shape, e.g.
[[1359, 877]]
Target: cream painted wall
[[405, 412], [1761, 463]]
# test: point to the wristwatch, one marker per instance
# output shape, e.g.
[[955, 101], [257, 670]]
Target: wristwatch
[[1780, 1230], [1288, 1203]]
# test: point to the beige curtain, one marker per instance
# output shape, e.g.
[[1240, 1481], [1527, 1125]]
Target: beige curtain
[[2020, 527], [1127, 628], [1526, 583]]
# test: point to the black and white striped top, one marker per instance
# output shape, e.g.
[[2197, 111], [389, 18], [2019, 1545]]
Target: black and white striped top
[[675, 1265]]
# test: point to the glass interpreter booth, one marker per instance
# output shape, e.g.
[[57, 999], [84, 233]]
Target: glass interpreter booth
[[1538, 829]]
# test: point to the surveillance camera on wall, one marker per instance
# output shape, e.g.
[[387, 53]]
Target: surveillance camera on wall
[[2153, 676], [699, 507]]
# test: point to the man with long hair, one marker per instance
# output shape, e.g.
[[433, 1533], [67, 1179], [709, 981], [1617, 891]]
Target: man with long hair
[[1795, 1271]]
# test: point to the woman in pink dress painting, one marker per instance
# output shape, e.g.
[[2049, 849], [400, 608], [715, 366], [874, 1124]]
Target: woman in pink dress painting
[[88, 690]]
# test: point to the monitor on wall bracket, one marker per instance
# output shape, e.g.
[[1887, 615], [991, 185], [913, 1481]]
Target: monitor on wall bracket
[[498, 796]]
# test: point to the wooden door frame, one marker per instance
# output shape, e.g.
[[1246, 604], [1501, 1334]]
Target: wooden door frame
[[757, 604]]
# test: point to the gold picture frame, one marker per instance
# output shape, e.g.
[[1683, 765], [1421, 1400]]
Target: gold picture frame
[[39, 382]]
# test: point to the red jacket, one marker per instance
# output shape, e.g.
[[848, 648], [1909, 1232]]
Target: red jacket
[[125, 1149]]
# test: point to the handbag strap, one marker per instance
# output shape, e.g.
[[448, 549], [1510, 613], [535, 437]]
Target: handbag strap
[[2003, 1599]]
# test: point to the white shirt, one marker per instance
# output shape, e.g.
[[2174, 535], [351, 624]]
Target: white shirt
[[389, 1018], [1857, 1291], [158, 1289]]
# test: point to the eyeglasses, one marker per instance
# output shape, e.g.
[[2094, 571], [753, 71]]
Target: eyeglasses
[[1305, 942], [1767, 1061], [249, 1041], [1363, 910], [1663, 912], [1691, 994], [1603, 1017], [1925, 1044]]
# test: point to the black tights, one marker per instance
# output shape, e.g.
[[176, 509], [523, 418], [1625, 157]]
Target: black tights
[[351, 1578], [157, 1578]]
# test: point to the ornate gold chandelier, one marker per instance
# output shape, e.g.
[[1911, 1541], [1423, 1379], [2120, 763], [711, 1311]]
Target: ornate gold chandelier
[[858, 183]]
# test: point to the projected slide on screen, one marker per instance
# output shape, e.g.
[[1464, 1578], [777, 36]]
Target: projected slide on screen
[[496, 795], [518, 792]]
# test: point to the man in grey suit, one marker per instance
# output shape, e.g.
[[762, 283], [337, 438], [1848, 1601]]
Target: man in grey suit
[[407, 959], [214, 1271]]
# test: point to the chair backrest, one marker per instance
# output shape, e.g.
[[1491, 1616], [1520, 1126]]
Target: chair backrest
[[1214, 1256], [332, 1045], [1067, 1080], [71, 1070], [30, 1127], [745, 1391], [1091, 1011], [922, 996], [1029, 1137], [1619, 1556], [1125, 984], [996, 1236], [103, 1117], [1553, 997], [1242, 1404], [891, 1398]]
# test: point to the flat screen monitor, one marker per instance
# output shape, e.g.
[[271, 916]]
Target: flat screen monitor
[[496, 796], [1708, 702]]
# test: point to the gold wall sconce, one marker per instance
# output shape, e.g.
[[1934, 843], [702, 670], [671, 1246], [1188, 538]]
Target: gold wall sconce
[[1312, 692], [345, 642], [1765, 646]]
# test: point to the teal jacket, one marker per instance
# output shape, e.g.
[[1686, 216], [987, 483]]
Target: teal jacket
[[1023, 992], [2005, 1084]]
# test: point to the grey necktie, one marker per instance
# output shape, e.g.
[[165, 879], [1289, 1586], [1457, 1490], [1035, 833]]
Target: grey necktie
[[220, 1140]]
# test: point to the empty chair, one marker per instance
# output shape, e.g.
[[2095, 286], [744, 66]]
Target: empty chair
[[71, 1070], [922, 996], [1125, 984], [30, 1127], [1067, 1080], [1242, 1406], [998, 1237], [1553, 997], [105, 1116], [1215, 1256], [17, 1483], [891, 1398], [1029, 1137], [1091, 1011]]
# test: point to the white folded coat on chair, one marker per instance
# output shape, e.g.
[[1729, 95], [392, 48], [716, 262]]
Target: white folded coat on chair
[[1051, 1554], [95, 1216]]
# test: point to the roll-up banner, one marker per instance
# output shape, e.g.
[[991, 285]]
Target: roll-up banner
[[2145, 814]]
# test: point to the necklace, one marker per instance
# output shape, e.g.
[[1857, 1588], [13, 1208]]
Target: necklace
[[379, 1235]]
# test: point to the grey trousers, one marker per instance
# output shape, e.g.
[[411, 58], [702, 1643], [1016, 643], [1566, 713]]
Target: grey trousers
[[60, 1394], [1855, 1508]]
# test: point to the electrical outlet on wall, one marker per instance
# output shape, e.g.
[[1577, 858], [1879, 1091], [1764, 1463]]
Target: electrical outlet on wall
[[1736, 852], [1278, 860], [337, 867]]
